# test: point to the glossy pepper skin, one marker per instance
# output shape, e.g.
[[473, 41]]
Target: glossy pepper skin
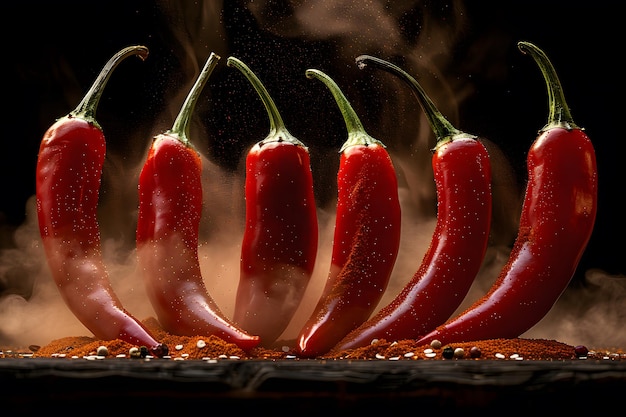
[[557, 219], [462, 173], [170, 208], [68, 177], [280, 239], [366, 236]]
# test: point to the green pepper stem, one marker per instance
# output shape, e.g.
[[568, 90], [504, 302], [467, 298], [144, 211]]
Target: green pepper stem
[[443, 129], [86, 109], [559, 113], [180, 128], [356, 132], [278, 131]]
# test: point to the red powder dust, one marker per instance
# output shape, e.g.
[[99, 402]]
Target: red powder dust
[[214, 348]]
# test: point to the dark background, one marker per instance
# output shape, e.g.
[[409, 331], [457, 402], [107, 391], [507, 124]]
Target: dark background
[[54, 51]]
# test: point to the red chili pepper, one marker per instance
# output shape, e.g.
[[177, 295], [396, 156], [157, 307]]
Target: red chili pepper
[[558, 215], [366, 236], [281, 234], [170, 208], [69, 169], [462, 174]]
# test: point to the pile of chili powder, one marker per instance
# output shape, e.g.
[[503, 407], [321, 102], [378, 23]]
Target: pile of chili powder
[[214, 348]]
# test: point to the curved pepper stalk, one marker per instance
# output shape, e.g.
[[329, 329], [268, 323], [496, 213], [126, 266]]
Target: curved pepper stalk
[[170, 208], [366, 236], [462, 173], [558, 215], [69, 169], [280, 240]]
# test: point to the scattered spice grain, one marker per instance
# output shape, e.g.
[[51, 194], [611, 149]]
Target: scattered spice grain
[[528, 349], [204, 347]]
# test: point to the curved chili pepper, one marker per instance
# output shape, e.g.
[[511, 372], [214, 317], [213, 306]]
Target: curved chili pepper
[[558, 215], [69, 169], [462, 174], [170, 208], [366, 236], [280, 239]]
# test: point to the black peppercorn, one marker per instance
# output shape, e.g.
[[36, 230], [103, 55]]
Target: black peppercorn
[[143, 351], [448, 352]]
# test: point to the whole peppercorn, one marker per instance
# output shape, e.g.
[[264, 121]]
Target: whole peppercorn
[[143, 351], [448, 352], [581, 351], [475, 352], [102, 351], [459, 353]]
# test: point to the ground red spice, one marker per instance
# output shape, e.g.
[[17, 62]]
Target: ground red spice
[[508, 349], [212, 347]]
